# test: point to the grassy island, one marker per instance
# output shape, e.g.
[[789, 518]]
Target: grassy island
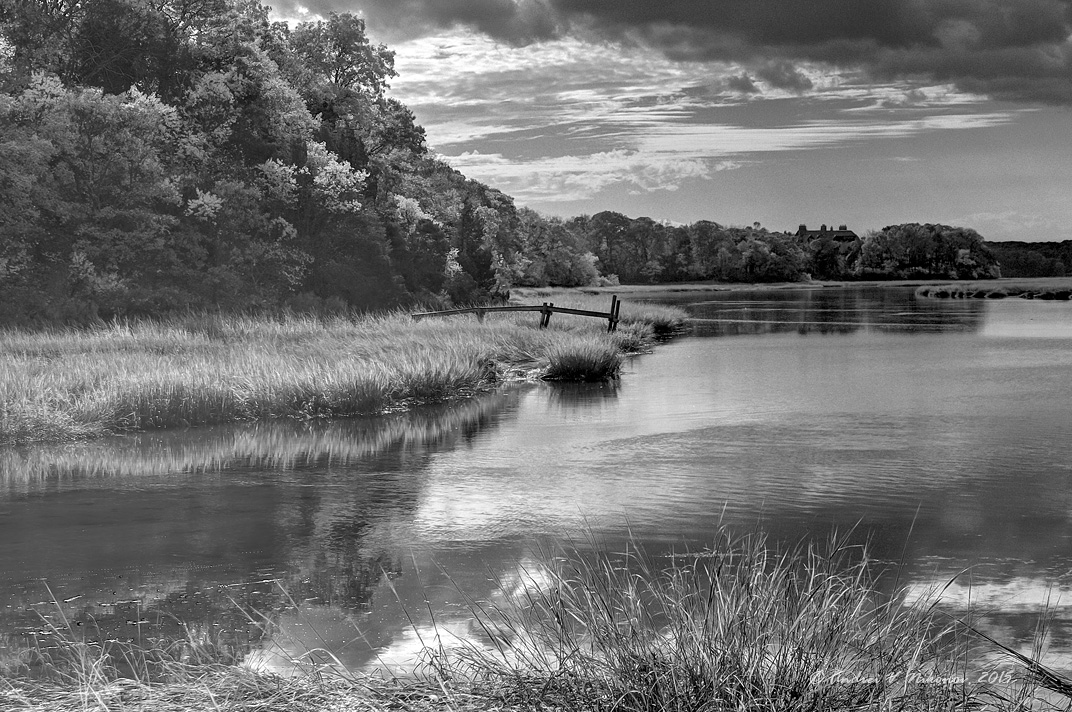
[[1048, 288], [71, 384]]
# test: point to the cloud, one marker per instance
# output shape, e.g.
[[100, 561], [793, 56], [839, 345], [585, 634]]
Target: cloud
[[729, 140], [1019, 50], [564, 120], [742, 83], [665, 156], [1018, 224], [571, 178], [783, 75]]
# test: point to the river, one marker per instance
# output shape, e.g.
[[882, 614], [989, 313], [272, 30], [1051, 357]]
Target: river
[[936, 430]]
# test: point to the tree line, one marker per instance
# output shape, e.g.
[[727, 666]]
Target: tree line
[[167, 155], [1034, 259], [642, 250]]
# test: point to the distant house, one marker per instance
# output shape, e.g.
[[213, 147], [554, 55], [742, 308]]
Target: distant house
[[842, 234]]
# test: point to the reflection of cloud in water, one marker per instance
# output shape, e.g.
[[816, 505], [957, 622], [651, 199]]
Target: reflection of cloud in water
[[1014, 612], [324, 509], [1019, 595]]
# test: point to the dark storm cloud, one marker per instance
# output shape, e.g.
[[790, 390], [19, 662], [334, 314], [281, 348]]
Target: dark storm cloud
[[783, 75], [743, 84], [1014, 49], [517, 23]]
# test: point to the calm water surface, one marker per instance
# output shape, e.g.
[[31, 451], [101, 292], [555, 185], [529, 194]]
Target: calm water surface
[[936, 430]]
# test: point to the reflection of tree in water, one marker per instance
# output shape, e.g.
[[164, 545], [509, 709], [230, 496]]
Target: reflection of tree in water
[[319, 504], [343, 579], [188, 617], [831, 311]]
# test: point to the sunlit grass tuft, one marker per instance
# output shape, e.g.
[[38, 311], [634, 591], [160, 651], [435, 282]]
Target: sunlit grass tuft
[[583, 361]]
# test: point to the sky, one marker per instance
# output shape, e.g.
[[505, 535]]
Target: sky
[[784, 112]]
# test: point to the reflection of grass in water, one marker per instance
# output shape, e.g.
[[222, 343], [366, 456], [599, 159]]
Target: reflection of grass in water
[[273, 444], [62, 385], [741, 626], [1046, 288]]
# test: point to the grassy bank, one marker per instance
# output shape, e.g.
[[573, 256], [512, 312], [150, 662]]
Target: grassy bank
[[1050, 288], [73, 384], [741, 626]]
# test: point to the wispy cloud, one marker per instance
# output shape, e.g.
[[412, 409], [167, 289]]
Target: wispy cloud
[[711, 140], [563, 120], [570, 178]]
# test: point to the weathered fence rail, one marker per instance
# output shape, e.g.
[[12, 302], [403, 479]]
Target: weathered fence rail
[[546, 310]]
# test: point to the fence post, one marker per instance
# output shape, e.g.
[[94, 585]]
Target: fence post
[[479, 315], [545, 315], [612, 324]]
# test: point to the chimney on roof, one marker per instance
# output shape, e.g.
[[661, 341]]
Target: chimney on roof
[[802, 229], [823, 228], [843, 227]]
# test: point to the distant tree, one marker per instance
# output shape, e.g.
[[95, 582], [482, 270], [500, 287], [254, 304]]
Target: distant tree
[[555, 255], [913, 250], [1033, 259]]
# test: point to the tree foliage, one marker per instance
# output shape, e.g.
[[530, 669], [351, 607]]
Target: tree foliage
[[192, 153]]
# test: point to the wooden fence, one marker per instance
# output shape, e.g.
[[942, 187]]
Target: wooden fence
[[546, 310]]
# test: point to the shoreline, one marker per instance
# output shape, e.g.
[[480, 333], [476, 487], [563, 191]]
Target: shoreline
[[636, 290]]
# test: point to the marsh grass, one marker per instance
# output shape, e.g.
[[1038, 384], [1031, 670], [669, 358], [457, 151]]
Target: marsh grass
[[1059, 289], [583, 360], [742, 625], [198, 370]]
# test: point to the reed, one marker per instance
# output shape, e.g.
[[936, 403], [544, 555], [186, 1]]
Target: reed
[[73, 384], [583, 360], [742, 625]]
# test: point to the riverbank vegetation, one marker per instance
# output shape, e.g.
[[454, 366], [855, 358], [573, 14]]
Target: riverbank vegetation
[[1033, 259], [125, 376], [741, 625]]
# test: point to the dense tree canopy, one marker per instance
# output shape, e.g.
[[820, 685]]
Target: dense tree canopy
[[158, 155]]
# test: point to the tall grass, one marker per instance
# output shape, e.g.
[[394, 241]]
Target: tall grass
[[740, 626], [66, 385]]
